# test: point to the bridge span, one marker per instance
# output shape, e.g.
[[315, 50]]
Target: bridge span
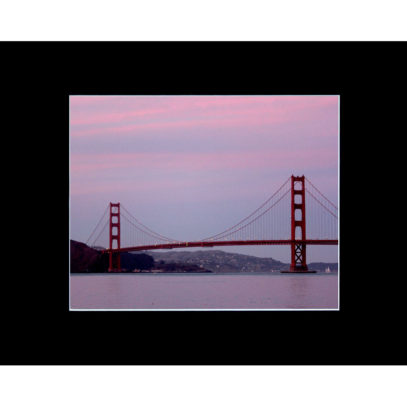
[[183, 245], [280, 220]]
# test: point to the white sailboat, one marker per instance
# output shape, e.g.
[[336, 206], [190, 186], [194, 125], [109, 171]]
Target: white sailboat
[[327, 270]]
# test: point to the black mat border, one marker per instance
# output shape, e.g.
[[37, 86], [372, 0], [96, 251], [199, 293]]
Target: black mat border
[[38, 79]]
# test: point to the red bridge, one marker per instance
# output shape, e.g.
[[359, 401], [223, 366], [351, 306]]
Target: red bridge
[[281, 220]]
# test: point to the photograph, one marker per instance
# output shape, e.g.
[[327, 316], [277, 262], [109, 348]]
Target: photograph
[[204, 202]]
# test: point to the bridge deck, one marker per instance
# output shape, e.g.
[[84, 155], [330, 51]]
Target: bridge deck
[[178, 245]]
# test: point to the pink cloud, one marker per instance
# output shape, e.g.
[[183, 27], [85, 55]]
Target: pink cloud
[[83, 117], [85, 163], [243, 119], [113, 187], [189, 112]]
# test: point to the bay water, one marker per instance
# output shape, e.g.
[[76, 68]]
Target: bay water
[[181, 291]]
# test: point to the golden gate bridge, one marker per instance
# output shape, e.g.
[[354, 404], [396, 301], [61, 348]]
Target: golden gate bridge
[[283, 219]]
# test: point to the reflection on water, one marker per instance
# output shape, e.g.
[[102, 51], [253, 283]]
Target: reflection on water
[[204, 291]]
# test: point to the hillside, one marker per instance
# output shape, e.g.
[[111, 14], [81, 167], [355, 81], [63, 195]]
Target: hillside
[[82, 257], [86, 259], [223, 262], [219, 261]]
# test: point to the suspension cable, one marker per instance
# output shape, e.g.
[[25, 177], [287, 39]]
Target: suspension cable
[[145, 227], [321, 193], [247, 217], [104, 227], [257, 217], [141, 230], [309, 192], [100, 220]]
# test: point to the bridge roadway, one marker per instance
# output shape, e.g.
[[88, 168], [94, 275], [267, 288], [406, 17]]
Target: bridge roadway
[[178, 245]]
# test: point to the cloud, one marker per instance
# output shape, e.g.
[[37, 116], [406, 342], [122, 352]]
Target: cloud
[[202, 161], [135, 115]]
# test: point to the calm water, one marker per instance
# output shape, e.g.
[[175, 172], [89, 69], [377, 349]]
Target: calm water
[[204, 291]]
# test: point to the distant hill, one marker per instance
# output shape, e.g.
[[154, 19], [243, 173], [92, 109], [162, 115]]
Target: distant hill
[[223, 262], [219, 261], [86, 259]]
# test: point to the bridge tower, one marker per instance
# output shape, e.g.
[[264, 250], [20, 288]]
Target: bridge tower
[[114, 236], [298, 250]]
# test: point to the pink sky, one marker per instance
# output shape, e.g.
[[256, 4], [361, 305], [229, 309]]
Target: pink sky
[[191, 166]]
